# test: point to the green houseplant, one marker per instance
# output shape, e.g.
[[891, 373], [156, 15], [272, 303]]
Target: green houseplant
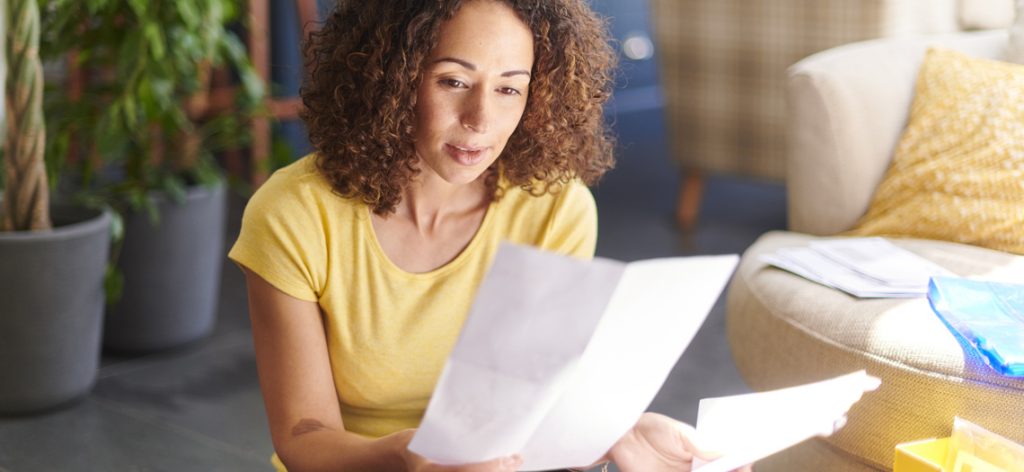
[[51, 270], [139, 132]]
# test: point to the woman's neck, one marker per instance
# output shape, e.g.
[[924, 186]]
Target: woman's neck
[[429, 200]]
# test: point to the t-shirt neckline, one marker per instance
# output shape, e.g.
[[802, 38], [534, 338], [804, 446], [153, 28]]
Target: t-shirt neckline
[[451, 265]]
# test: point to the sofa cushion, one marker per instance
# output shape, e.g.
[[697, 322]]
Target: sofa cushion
[[958, 172], [785, 330]]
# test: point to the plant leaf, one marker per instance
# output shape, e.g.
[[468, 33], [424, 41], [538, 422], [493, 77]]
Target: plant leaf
[[113, 284], [155, 39], [116, 226]]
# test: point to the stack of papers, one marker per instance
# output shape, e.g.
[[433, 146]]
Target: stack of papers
[[862, 267]]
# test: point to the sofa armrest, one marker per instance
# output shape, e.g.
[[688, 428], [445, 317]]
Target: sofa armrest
[[847, 107]]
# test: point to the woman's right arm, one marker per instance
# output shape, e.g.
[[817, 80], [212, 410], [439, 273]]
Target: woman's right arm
[[298, 389], [302, 406]]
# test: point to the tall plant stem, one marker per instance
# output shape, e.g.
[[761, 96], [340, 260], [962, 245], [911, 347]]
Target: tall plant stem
[[26, 195]]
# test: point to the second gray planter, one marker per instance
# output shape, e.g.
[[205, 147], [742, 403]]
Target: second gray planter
[[171, 274]]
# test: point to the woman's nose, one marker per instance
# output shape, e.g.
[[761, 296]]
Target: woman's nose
[[476, 114]]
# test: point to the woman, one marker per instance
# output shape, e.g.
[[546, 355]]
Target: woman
[[440, 129]]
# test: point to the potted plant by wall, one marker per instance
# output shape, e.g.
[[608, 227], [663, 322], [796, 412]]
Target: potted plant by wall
[[141, 132], [51, 271]]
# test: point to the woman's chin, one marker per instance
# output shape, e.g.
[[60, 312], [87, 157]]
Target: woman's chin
[[456, 172], [463, 177]]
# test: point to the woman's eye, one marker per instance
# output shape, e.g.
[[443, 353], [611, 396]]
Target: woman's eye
[[453, 83], [509, 91]]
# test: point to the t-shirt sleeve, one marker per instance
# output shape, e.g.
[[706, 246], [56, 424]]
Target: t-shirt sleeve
[[282, 238], [572, 229]]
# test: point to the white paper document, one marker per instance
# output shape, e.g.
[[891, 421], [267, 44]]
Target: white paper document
[[745, 428], [559, 357], [862, 267]]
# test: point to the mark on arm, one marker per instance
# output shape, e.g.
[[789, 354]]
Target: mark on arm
[[307, 425]]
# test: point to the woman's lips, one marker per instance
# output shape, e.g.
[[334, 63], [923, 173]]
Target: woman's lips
[[466, 155]]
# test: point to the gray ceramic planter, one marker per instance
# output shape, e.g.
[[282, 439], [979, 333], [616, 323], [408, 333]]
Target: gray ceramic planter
[[51, 310], [171, 274]]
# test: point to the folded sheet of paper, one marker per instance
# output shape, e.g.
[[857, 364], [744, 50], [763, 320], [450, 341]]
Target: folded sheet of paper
[[863, 267], [745, 428], [559, 357]]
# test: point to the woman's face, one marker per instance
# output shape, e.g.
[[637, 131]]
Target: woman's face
[[473, 91]]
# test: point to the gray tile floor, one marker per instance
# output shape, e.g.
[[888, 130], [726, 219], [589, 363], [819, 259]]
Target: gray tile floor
[[199, 407]]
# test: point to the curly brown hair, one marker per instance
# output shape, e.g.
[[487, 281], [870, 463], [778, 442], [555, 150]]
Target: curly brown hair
[[364, 67]]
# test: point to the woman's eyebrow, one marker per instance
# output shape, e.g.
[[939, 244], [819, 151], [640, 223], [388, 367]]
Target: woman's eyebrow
[[471, 66]]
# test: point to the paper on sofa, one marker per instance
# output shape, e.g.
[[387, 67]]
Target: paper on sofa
[[870, 267]]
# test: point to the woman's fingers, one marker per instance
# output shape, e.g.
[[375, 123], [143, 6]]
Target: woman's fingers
[[687, 435], [684, 437], [501, 464]]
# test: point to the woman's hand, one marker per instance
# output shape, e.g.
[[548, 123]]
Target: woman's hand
[[417, 463], [658, 443]]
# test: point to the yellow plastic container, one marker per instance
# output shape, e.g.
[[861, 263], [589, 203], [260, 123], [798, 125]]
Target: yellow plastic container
[[921, 456]]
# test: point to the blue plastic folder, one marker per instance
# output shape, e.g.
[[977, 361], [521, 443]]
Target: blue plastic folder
[[989, 316]]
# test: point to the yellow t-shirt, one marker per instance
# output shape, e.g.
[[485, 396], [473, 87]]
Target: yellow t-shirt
[[389, 331]]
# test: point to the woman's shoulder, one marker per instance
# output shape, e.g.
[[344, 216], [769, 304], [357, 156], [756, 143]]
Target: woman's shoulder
[[298, 177], [563, 220], [299, 183], [285, 229], [572, 195], [538, 208]]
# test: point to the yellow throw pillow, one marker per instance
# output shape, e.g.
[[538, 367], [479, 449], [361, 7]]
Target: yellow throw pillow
[[958, 172]]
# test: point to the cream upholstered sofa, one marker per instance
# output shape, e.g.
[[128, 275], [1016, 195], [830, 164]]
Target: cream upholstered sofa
[[847, 108]]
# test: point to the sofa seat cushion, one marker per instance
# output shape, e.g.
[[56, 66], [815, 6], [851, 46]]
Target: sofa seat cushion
[[785, 330]]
